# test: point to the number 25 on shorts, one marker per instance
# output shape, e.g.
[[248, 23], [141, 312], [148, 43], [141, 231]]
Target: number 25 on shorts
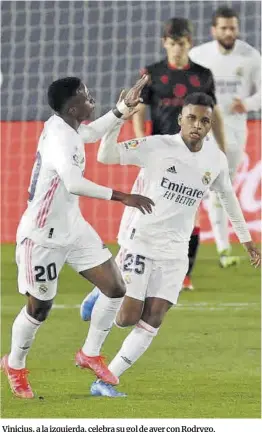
[[134, 263]]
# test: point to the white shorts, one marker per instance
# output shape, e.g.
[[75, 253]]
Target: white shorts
[[39, 266], [145, 277]]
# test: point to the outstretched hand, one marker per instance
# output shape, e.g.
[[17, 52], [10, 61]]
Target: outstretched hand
[[254, 254], [132, 97]]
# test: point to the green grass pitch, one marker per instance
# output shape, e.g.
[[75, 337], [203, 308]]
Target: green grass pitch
[[204, 363]]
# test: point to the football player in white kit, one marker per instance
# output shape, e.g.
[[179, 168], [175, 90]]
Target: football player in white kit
[[178, 171], [236, 67], [52, 230]]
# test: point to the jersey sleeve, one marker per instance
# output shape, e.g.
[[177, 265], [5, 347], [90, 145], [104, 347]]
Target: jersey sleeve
[[222, 181], [253, 102], [146, 93], [67, 162], [63, 153], [223, 186], [133, 152], [138, 151], [92, 132]]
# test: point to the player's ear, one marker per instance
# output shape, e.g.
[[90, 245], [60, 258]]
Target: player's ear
[[179, 118], [72, 111], [213, 31], [163, 40], [190, 41]]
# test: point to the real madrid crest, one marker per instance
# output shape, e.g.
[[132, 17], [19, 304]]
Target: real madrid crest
[[206, 179], [127, 278], [43, 288]]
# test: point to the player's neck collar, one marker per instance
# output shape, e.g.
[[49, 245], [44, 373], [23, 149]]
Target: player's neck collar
[[174, 67], [190, 151]]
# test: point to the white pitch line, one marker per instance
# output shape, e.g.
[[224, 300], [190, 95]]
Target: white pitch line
[[182, 306]]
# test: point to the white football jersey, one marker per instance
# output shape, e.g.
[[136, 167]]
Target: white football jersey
[[236, 74], [52, 212], [176, 179]]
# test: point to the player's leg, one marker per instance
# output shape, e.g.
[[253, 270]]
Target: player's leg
[[192, 253], [38, 269], [93, 261], [162, 293], [135, 271], [136, 283]]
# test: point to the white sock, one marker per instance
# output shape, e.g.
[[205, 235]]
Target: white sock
[[134, 346], [23, 333], [219, 222], [102, 319]]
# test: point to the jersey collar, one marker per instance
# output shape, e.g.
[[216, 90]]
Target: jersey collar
[[171, 67], [180, 139], [232, 51]]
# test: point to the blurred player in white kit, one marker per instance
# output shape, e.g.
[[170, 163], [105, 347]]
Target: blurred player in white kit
[[52, 230], [177, 172], [236, 68]]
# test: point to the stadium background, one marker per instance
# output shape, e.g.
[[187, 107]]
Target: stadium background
[[105, 43]]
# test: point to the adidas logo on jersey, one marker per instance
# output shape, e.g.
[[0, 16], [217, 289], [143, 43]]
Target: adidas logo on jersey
[[172, 170]]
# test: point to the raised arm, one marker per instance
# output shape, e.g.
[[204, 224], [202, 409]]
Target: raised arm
[[94, 131], [132, 152]]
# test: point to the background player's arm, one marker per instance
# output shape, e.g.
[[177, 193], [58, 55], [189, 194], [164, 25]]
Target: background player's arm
[[139, 119], [223, 186], [218, 128], [253, 102], [217, 120]]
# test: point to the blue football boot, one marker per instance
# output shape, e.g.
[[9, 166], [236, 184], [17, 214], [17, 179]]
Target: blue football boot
[[100, 388], [88, 304]]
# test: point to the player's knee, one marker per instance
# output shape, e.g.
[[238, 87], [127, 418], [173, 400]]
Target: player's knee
[[154, 321], [39, 310], [155, 317], [127, 318], [118, 289]]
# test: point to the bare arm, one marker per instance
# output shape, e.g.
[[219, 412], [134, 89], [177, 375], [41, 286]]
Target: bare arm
[[218, 129], [139, 121]]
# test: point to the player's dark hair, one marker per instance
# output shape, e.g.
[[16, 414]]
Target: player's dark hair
[[223, 12], [199, 99], [176, 28], [61, 90]]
